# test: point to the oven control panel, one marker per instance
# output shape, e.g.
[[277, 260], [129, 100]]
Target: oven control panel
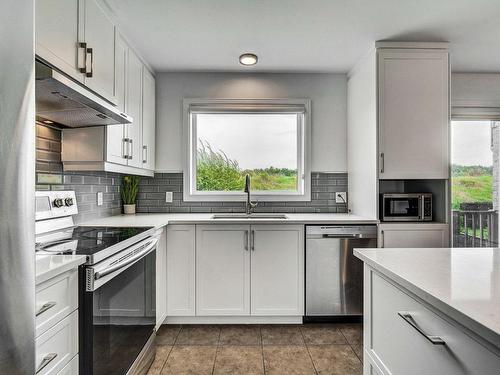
[[53, 204]]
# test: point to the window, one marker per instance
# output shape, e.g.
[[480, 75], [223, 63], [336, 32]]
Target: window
[[229, 139]]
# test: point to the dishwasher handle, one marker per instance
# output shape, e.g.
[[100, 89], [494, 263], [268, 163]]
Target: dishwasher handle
[[347, 236]]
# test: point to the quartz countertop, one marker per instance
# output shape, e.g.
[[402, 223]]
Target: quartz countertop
[[49, 266], [463, 283], [161, 220]]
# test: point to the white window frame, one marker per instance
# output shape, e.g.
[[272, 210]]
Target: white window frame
[[191, 106]]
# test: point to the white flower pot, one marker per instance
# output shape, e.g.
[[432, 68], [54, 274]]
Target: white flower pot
[[129, 208]]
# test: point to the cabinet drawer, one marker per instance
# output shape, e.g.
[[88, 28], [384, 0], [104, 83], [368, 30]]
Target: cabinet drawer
[[71, 368], [55, 299], [404, 350], [56, 347]]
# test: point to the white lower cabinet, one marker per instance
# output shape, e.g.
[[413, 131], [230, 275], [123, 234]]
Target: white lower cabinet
[[57, 346], [181, 270], [235, 270], [222, 270], [277, 270], [413, 235], [394, 346]]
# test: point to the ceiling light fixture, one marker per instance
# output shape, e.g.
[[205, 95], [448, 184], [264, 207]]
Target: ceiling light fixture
[[248, 59], [47, 122]]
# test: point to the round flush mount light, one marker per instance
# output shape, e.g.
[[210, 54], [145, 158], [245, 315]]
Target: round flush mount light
[[48, 122], [248, 59]]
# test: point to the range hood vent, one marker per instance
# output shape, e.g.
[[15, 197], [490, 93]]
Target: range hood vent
[[62, 101]]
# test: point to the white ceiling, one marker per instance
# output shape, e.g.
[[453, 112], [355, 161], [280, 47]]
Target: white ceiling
[[304, 35]]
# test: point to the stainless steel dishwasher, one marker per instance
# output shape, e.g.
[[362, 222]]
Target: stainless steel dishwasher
[[334, 276]]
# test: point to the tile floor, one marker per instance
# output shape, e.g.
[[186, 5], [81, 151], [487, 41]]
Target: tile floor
[[259, 349]]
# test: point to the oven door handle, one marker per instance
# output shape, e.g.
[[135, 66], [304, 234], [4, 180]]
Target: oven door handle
[[147, 249]]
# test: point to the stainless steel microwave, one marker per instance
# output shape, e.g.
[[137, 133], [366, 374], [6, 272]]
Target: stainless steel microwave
[[406, 207]]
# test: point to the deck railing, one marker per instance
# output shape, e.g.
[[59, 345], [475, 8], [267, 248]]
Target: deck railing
[[475, 228]]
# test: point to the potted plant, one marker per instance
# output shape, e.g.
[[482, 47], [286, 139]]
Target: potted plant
[[130, 187]]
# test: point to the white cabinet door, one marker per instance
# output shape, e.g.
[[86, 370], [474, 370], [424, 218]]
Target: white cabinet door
[[277, 269], [134, 109], [413, 113], [100, 37], [180, 270], [115, 134], [161, 279], [222, 270], [148, 120], [413, 235], [56, 35]]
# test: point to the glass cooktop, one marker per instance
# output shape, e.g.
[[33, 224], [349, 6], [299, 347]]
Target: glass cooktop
[[86, 240]]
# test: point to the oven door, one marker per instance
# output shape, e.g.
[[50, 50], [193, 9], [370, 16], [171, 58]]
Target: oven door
[[117, 310], [402, 207]]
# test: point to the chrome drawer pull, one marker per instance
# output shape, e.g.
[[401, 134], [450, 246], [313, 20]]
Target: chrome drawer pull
[[435, 340], [45, 361], [45, 307]]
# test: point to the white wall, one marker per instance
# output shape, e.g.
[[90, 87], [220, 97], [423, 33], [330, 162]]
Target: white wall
[[326, 91]]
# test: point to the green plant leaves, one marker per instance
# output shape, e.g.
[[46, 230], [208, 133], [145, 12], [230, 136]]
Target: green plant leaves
[[130, 188]]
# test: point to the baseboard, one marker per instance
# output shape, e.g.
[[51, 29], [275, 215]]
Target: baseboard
[[233, 320]]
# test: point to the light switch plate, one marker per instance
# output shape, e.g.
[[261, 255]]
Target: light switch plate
[[99, 198], [169, 196], [340, 197]]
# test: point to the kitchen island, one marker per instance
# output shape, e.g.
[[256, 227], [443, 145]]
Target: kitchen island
[[434, 310]]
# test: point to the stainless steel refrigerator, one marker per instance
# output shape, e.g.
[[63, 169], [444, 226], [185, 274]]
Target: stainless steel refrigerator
[[17, 185]]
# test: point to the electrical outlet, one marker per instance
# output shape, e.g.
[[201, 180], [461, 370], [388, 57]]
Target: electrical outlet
[[340, 197], [99, 198], [169, 196]]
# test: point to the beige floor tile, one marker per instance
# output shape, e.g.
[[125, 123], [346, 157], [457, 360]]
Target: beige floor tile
[[322, 334], [198, 335], [287, 360], [353, 332], [162, 353], [335, 360], [239, 360], [240, 335], [190, 360], [358, 349], [281, 335], [167, 334]]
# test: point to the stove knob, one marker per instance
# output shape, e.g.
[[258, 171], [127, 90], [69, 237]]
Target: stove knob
[[68, 202], [58, 202]]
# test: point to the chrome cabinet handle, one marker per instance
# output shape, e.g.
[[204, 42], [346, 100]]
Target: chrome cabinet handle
[[83, 46], [45, 307], [144, 154], [91, 52], [125, 148], [252, 240], [245, 241], [381, 238], [382, 162], [408, 318], [131, 154], [45, 361]]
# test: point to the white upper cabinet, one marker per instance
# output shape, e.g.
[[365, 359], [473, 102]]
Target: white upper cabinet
[[222, 270], [78, 38], [413, 92], [134, 109], [57, 35], [115, 134], [100, 39], [277, 270], [148, 120]]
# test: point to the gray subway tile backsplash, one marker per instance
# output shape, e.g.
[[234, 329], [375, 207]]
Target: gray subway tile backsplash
[[152, 190]]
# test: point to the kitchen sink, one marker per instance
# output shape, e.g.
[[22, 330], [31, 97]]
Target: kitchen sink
[[251, 216]]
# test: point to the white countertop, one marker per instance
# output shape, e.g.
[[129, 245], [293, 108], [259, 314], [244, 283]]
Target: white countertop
[[161, 220], [49, 266], [463, 283]]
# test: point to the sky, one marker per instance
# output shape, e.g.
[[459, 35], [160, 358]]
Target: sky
[[256, 141], [471, 143]]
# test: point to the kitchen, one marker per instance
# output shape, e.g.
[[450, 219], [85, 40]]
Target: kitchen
[[245, 206]]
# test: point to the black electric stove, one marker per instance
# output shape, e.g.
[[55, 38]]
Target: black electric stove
[[97, 243]]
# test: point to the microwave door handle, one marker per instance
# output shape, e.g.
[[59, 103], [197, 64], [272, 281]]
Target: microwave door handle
[[422, 208], [127, 262]]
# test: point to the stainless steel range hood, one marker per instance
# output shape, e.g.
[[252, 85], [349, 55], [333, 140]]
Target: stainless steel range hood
[[65, 102]]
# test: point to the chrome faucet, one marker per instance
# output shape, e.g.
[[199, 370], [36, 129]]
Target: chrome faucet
[[249, 205]]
